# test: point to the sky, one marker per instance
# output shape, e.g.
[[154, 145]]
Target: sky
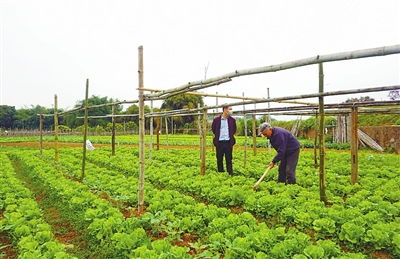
[[51, 46]]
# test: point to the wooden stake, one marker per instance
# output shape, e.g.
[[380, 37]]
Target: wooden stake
[[85, 129], [141, 134], [254, 136], [203, 144], [321, 137], [354, 145], [200, 133], [113, 132], [41, 133], [245, 136], [316, 141], [151, 131], [166, 130], [55, 128], [158, 124]]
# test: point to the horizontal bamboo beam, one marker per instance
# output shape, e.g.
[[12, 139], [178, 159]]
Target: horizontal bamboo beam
[[201, 84], [90, 107], [331, 112], [332, 93], [232, 97]]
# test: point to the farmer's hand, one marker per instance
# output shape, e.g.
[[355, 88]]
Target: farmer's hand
[[271, 165]]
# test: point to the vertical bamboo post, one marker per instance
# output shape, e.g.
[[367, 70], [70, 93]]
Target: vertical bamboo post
[[269, 118], [354, 145], [141, 133], [316, 140], [254, 136], [85, 129], [245, 134], [158, 124], [166, 130], [151, 130], [41, 132], [200, 132], [321, 137], [113, 132], [203, 143], [55, 128]]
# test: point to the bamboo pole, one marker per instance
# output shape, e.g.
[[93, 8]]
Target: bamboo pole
[[151, 131], [200, 133], [322, 177], [201, 84], [85, 123], [316, 140], [203, 144], [245, 136], [41, 133], [113, 132], [141, 134], [321, 94], [354, 146], [254, 136], [55, 128], [216, 95], [166, 130], [158, 122]]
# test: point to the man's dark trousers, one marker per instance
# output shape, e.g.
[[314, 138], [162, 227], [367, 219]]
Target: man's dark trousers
[[224, 148], [287, 168]]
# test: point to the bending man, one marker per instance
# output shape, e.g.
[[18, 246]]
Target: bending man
[[288, 149]]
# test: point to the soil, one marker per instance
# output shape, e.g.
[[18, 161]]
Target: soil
[[381, 255], [62, 229], [6, 247], [187, 240]]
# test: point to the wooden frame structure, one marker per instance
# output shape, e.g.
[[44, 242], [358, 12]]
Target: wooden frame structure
[[311, 109]]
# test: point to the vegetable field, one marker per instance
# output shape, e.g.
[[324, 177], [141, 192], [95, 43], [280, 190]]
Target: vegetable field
[[47, 212]]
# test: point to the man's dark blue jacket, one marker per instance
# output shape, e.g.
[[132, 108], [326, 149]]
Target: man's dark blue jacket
[[283, 142], [216, 129]]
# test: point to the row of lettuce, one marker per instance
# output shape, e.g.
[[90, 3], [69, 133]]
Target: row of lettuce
[[366, 213], [217, 230], [23, 219], [174, 140], [286, 205]]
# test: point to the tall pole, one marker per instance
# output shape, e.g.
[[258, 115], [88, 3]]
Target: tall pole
[[354, 145], [151, 130], [85, 129], [269, 118], [141, 133], [203, 144], [55, 128], [321, 137], [254, 136], [316, 127], [200, 132], [41, 132], [158, 125], [166, 130], [245, 135], [113, 132]]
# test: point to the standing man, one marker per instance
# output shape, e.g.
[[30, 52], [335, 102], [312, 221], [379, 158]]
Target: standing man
[[288, 149], [224, 127]]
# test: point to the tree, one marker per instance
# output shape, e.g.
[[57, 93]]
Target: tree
[[360, 100], [71, 120], [394, 95], [7, 114], [182, 101]]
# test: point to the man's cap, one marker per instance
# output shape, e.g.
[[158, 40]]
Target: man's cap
[[264, 126]]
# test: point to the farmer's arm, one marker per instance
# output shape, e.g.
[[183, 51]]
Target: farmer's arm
[[281, 144]]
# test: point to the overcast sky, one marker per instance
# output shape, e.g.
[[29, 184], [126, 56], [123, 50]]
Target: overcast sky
[[51, 46]]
